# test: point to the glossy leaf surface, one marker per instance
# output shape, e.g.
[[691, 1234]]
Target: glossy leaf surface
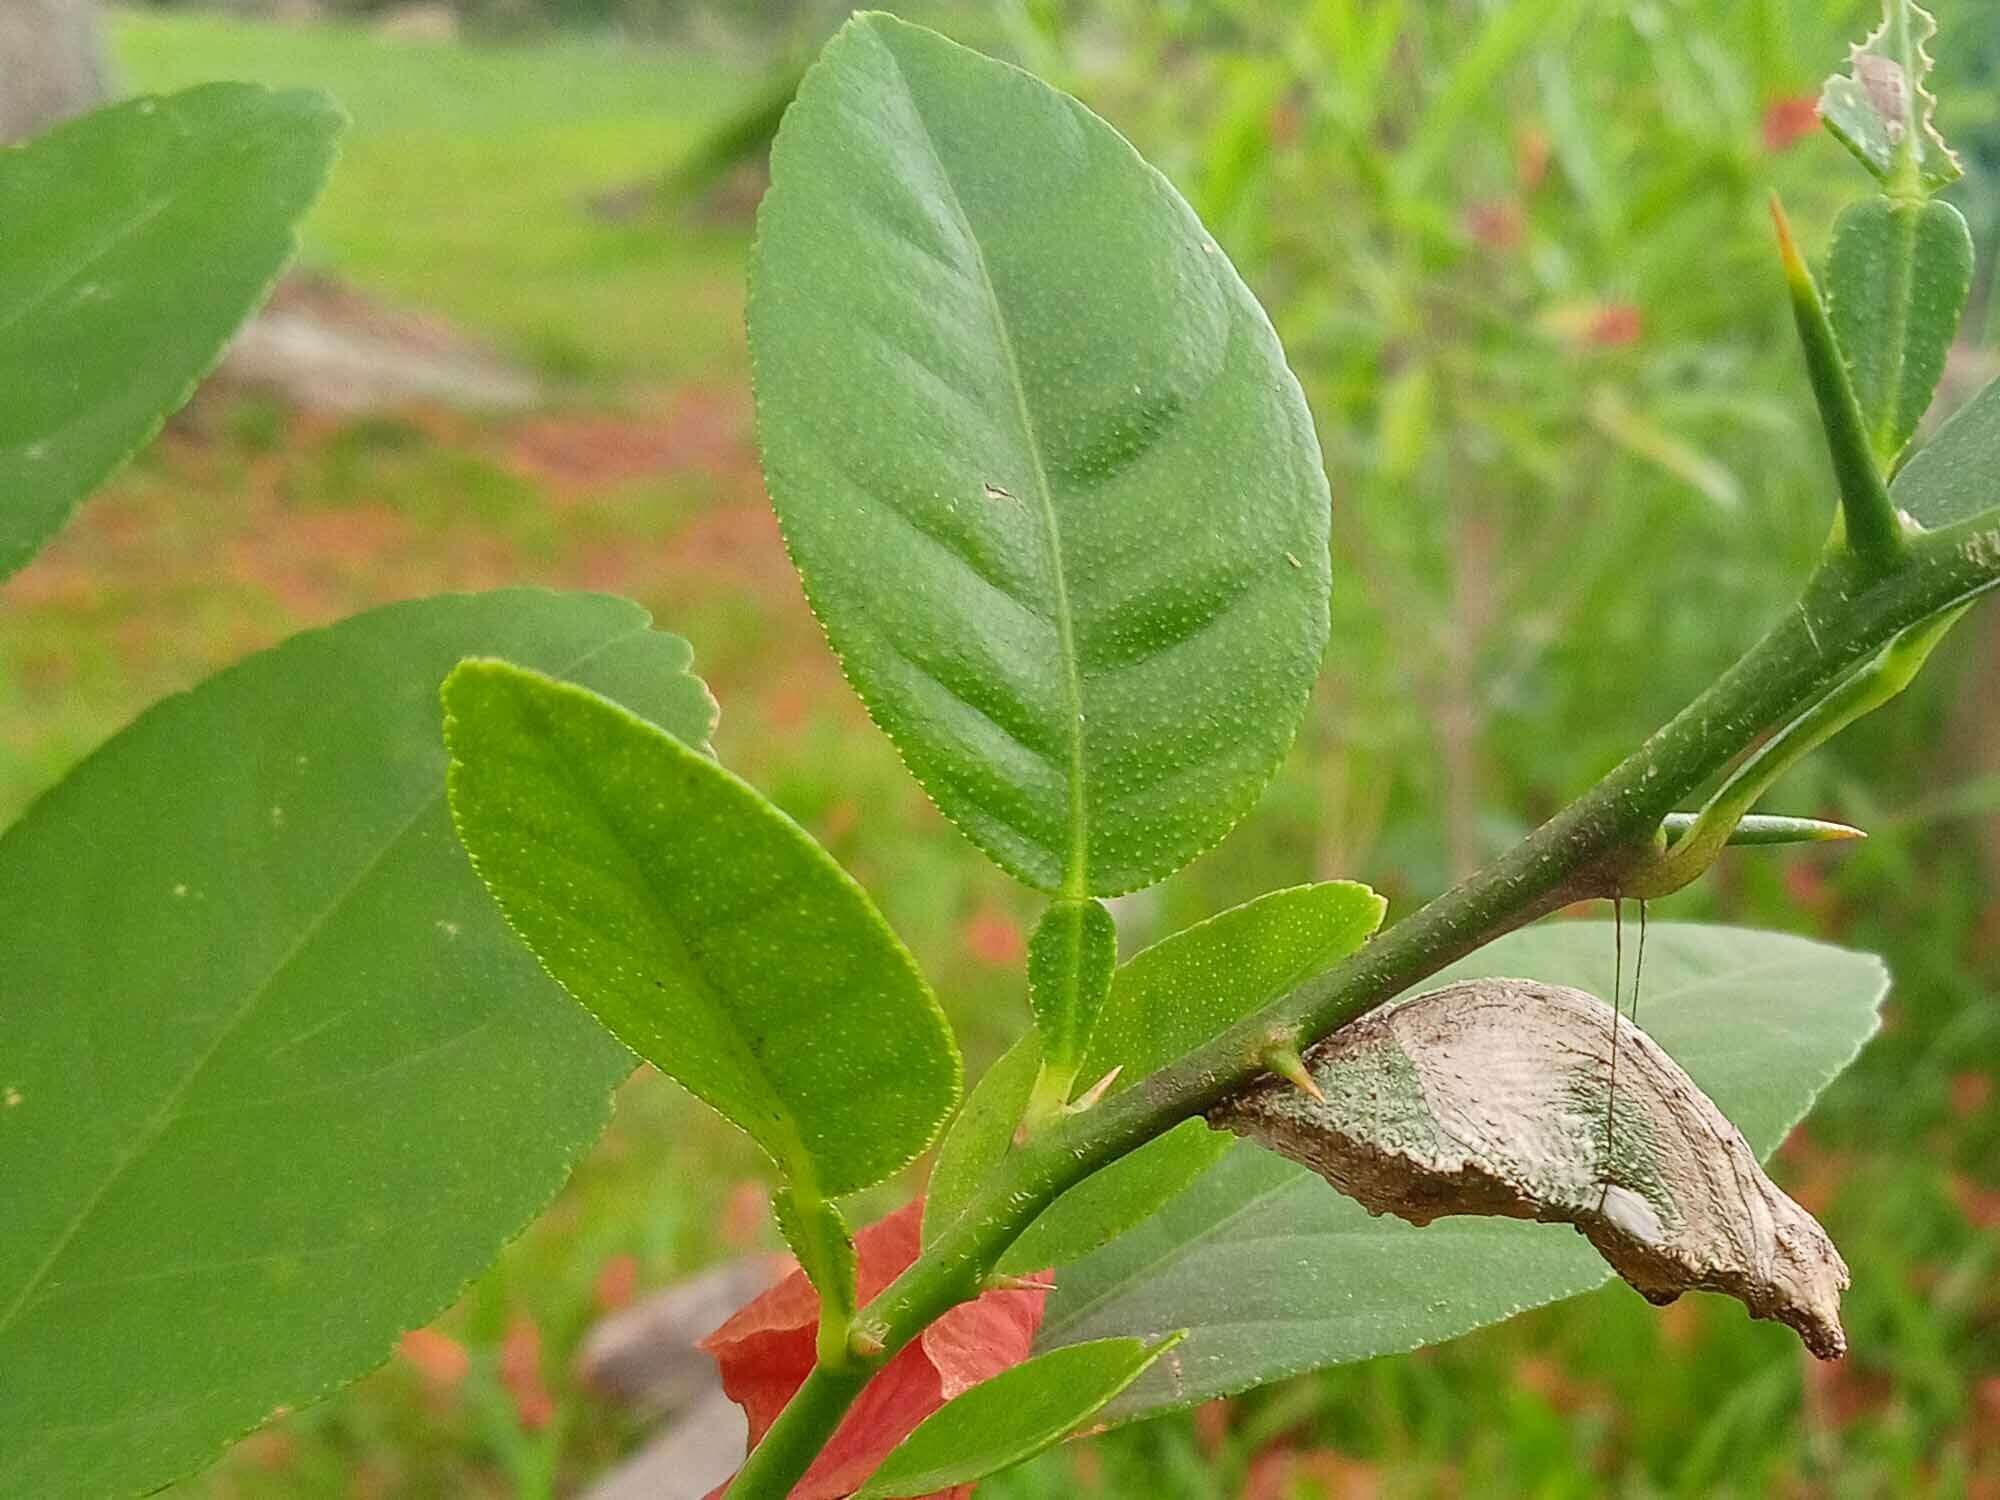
[[1036, 453], [1012, 1417], [1896, 284], [277, 1079], [137, 239], [1273, 1272], [704, 928]]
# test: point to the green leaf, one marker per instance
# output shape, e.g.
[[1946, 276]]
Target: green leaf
[[1071, 957], [1173, 996], [981, 1135], [1012, 1417], [137, 239], [1114, 1200], [1896, 284], [1880, 110], [1956, 475], [704, 928], [1189, 988], [1036, 453], [1096, 1210], [1274, 1273], [277, 1079]]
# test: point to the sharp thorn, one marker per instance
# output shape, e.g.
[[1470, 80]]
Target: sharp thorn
[[999, 1281], [1091, 1096], [1289, 1066]]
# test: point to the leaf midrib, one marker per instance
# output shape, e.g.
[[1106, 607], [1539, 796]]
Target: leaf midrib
[[791, 1154], [1903, 294], [1075, 880], [113, 239]]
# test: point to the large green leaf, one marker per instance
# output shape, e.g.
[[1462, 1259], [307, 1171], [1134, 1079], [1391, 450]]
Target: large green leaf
[[701, 925], [1037, 455], [1168, 999], [137, 238], [1896, 283], [1956, 475], [1009, 1419], [1273, 1272], [277, 1079]]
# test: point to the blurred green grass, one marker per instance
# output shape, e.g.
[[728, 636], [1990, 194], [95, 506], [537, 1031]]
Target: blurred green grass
[[467, 176], [467, 189]]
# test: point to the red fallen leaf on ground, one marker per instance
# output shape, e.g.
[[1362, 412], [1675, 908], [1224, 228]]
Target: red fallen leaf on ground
[[765, 1352]]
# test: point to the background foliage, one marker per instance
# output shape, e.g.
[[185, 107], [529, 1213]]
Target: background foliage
[[1519, 257]]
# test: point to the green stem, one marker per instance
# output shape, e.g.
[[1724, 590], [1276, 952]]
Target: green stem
[[1847, 614], [1867, 690], [802, 1429]]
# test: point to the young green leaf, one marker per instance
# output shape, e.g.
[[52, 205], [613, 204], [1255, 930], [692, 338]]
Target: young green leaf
[[1109, 1202], [277, 1079], [700, 925], [137, 239], [1071, 956], [997, 358], [1880, 110], [1012, 1417], [1173, 996], [1190, 987], [1096, 1210], [1275, 1273], [1956, 475], [1896, 284], [818, 1236], [981, 1134]]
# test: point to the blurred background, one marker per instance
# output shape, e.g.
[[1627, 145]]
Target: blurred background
[[1519, 253]]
